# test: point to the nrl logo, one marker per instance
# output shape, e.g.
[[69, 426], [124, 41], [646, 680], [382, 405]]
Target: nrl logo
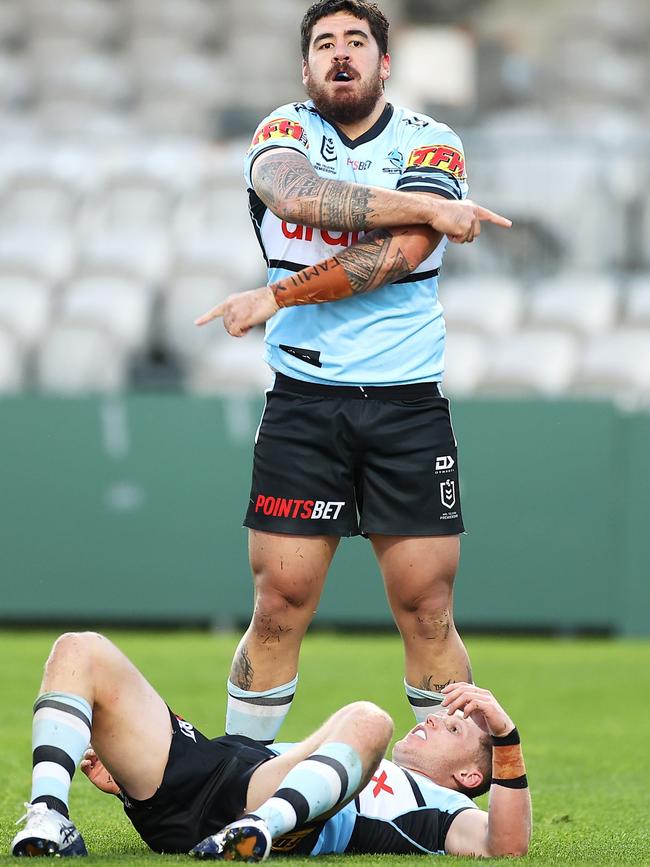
[[328, 149], [448, 494]]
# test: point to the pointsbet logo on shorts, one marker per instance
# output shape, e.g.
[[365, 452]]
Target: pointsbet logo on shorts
[[279, 127], [442, 157], [306, 510]]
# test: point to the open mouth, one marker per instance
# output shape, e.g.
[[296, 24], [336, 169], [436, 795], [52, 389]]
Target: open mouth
[[342, 76], [419, 732]]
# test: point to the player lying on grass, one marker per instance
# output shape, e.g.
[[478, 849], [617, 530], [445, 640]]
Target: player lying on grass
[[231, 798]]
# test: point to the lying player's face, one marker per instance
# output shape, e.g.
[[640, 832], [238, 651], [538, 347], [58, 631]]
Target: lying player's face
[[344, 71], [440, 746]]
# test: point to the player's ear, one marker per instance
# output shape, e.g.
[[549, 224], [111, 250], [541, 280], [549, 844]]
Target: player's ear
[[384, 68], [470, 778], [305, 71]]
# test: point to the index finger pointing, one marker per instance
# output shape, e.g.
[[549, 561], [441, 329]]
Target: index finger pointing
[[491, 217], [210, 315]]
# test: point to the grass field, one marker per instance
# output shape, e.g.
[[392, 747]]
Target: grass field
[[583, 708]]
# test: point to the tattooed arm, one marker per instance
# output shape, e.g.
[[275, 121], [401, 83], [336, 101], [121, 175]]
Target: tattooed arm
[[288, 184], [381, 257]]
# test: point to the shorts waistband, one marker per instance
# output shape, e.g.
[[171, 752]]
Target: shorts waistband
[[357, 392]]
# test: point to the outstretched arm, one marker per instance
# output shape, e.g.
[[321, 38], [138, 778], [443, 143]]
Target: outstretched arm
[[379, 258], [506, 827], [288, 184]]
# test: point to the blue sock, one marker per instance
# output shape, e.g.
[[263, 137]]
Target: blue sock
[[422, 701], [60, 735], [258, 715], [311, 788]]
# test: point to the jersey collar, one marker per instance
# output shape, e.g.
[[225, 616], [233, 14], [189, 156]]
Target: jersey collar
[[375, 130]]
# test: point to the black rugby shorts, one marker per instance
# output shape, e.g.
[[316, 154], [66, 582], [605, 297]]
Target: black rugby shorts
[[204, 787], [344, 460]]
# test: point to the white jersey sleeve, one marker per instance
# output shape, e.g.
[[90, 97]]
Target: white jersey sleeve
[[282, 128]]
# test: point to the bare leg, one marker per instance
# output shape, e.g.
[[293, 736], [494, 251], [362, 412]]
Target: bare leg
[[131, 729], [362, 725], [289, 573], [419, 575]]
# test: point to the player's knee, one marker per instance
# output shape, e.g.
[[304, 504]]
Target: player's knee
[[75, 646], [279, 604], [373, 723]]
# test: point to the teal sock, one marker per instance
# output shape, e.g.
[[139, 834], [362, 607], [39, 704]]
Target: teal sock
[[258, 715], [422, 701], [314, 786], [60, 735]]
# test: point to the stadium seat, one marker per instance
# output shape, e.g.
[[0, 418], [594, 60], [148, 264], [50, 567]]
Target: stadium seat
[[234, 366], [38, 199], [135, 199], [25, 306], [101, 79], [115, 303], [584, 304], [193, 20], [191, 294], [145, 253], [80, 360], [48, 251], [96, 21], [539, 362], [12, 22], [465, 362], [491, 305], [16, 82], [636, 305], [192, 77], [12, 373], [615, 365]]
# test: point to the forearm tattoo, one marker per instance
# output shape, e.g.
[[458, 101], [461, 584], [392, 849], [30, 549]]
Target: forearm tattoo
[[376, 260], [314, 201], [242, 669]]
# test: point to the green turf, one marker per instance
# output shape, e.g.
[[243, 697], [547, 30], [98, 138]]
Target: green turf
[[583, 708]]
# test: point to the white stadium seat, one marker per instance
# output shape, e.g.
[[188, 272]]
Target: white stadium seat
[[491, 305], [465, 362], [636, 305], [80, 360], [135, 199], [144, 253], [191, 294], [539, 362], [194, 20], [11, 364], [16, 82], [12, 21], [615, 364], [38, 200], [235, 366], [574, 302], [117, 304], [48, 251], [96, 21], [25, 306], [100, 78]]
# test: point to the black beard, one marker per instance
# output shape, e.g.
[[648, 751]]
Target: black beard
[[343, 109]]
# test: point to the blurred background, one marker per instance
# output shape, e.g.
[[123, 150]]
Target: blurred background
[[126, 434]]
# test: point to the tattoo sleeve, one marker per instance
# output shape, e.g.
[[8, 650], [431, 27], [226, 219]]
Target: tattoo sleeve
[[289, 186], [379, 258]]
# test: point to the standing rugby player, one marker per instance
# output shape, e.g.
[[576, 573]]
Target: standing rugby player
[[353, 201]]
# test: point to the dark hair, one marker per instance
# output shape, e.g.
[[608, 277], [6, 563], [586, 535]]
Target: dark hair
[[483, 759], [367, 11]]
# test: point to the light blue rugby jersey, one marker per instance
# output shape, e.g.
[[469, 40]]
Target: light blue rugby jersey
[[395, 334], [398, 812]]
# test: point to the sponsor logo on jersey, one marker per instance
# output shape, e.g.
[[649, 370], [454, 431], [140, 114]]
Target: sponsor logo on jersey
[[328, 150], [442, 157], [416, 121], [360, 165], [305, 510], [307, 233], [279, 128], [444, 464], [186, 728]]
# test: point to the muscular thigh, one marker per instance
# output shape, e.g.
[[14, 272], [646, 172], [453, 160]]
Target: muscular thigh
[[131, 730], [418, 571], [409, 483]]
